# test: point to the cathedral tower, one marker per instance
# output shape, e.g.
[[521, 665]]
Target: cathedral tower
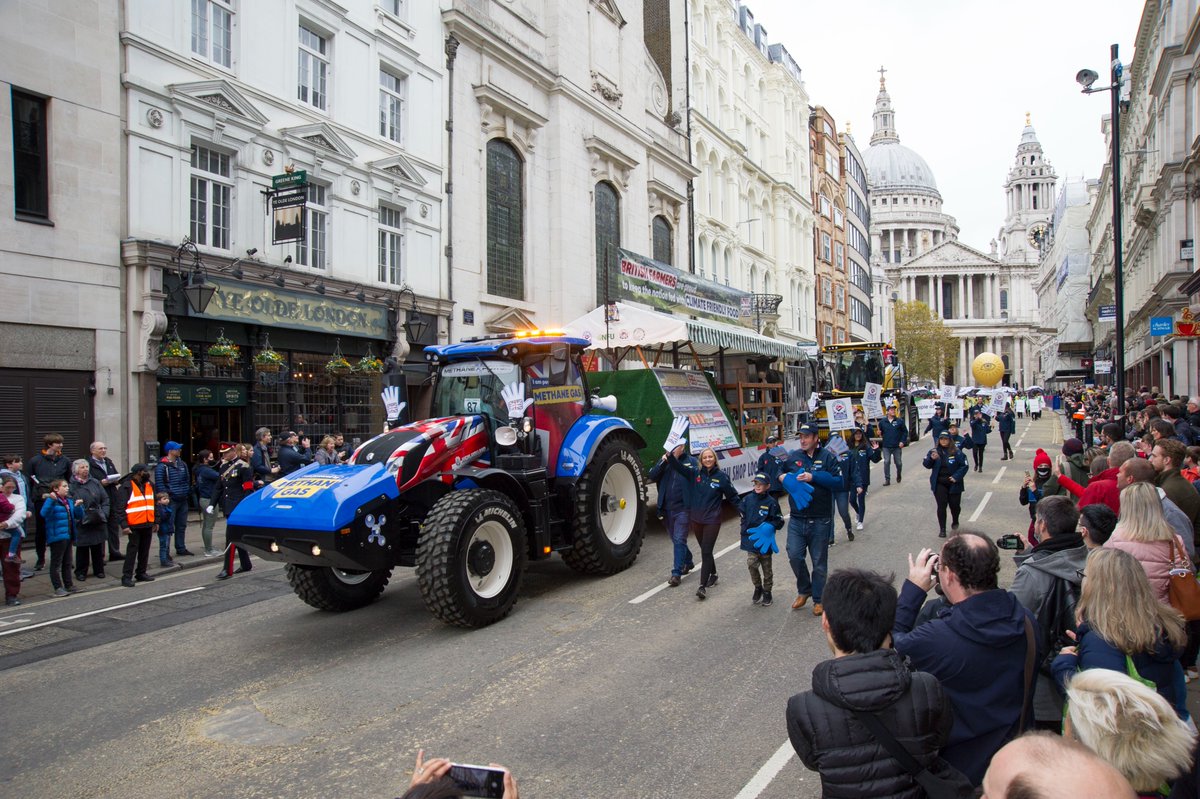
[[1029, 196]]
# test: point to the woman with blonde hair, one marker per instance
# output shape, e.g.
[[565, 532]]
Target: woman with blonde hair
[[1130, 726], [1143, 532], [704, 489], [1121, 622], [326, 453]]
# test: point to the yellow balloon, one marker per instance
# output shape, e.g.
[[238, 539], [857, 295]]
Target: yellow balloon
[[988, 369]]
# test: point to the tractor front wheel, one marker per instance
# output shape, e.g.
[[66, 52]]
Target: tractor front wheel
[[610, 511], [336, 589]]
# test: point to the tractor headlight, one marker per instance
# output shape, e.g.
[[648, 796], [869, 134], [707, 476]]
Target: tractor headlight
[[506, 436]]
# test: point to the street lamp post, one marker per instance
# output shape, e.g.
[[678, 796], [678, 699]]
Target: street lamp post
[[1086, 78]]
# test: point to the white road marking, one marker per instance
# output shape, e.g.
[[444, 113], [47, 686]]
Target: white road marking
[[982, 504], [17, 619], [101, 610], [637, 600], [770, 769], [999, 474]]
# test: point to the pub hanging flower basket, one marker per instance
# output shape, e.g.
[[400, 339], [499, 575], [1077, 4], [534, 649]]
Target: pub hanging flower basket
[[224, 352], [338, 365], [267, 359], [369, 364], [174, 353]]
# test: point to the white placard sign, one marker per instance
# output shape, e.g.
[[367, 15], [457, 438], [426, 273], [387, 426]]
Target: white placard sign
[[999, 400], [949, 393], [1019, 405], [871, 402], [926, 409], [840, 413], [955, 410]]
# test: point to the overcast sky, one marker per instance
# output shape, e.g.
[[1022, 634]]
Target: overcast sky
[[962, 74]]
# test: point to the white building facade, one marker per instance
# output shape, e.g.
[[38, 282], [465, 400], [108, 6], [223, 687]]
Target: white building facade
[[60, 271], [753, 198], [1062, 287], [213, 109], [568, 142]]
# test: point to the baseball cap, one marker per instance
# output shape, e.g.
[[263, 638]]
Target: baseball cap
[[170, 445], [809, 429], [944, 434], [762, 478]]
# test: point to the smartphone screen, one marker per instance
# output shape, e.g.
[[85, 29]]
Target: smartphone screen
[[478, 780]]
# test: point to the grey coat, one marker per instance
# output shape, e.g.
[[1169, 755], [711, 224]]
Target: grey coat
[[92, 494]]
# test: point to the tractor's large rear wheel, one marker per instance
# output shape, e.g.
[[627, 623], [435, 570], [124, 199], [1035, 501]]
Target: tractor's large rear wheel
[[336, 589], [610, 511], [471, 557]]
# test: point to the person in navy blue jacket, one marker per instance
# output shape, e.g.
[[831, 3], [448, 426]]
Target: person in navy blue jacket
[[862, 454], [809, 527], [960, 441], [206, 489], [937, 423], [759, 507], [1007, 421], [771, 463], [893, 437], [671, 486], [981, 425], [947, 467], [841, 494], [704, 491]]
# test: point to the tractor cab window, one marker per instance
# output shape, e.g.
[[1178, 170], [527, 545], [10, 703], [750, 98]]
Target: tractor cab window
[[853, 370], [474, 387]]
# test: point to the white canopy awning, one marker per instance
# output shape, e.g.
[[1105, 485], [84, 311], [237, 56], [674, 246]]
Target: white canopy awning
[[641, 327]]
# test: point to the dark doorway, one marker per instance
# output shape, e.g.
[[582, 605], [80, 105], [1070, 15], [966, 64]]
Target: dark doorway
[[34, 403], [201, 428]]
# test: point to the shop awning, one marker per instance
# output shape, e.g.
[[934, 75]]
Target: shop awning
[[636, 326]]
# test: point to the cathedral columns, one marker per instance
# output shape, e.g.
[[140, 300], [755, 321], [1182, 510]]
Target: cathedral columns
[[987, 297], [970, 297], [964, 370], [961, 300]]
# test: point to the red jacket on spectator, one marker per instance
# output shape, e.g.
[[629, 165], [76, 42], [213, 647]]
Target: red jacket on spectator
[[1102, 490]]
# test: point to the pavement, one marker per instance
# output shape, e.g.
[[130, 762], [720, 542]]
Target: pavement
[[36, 587], [593, 687]]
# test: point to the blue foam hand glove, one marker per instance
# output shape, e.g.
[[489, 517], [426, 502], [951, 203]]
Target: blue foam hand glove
[[762, 538], [801, 493]]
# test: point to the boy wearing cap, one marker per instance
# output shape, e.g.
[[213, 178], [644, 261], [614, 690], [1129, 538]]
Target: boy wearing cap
[[172, 476], [759, 507], [135, 517]]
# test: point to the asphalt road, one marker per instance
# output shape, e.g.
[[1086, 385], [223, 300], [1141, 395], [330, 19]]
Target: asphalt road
[[591, 688]]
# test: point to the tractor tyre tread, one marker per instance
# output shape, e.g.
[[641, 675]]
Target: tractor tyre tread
[[317, 589]]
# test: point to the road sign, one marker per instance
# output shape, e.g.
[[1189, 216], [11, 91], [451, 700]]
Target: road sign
[[289, 180], [1187, 249], [1108, 313], [1162, 325], [1102, 367]]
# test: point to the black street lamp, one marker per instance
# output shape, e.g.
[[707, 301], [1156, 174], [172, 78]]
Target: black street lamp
[[196, 289], [1086, 78], [414, 326]]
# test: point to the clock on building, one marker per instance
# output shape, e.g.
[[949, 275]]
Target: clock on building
[[1038, 234]]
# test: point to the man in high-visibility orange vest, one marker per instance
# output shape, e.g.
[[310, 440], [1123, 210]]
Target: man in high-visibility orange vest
[[135, 514]]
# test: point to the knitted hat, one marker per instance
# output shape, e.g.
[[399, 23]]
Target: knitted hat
[[1040, 459], [1072, 446]]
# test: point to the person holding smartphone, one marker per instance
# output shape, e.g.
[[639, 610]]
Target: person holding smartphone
[[438, 778]]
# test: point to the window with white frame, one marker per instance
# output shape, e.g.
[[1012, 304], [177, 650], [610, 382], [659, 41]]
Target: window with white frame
[[826, 206], [212, 31], [841, 336], [839, 256], [839, 218], [211, 197], [841, 298], [826, 248], [391, 105], [313, 75], [828, 334], [395, 7], [391, 245], [313, 250], [826, 292]]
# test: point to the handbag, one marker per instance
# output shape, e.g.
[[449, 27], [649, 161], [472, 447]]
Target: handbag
[[92, 515], [935, 787], [1182, 588]]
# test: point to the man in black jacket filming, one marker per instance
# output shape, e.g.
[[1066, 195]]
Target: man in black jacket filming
[[868, 678]]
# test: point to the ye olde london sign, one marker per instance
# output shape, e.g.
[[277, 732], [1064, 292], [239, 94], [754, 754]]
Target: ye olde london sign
[[258, 305]]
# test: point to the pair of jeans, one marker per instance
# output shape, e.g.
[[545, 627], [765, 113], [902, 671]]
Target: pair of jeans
[[946, 498], [811, 537], [677, 527], [841, 500], [706, 535], [14, 545], [137, 552], [164, 547], [207, 522], [977, 453], [1007, 448], [890, 454], [61, 564], [179, 513], [859, 503]]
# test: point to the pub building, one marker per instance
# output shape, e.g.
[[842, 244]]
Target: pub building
[[320, 328]]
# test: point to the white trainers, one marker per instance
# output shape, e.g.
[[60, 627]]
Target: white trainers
[[859, 527]]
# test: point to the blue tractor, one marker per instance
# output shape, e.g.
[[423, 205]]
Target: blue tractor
[[518, 462]]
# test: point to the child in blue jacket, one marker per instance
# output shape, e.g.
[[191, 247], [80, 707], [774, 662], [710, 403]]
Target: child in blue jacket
[[759, 507], [163, 519], [59, 517]]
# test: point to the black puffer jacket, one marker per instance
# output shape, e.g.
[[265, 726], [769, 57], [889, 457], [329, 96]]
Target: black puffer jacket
[[830, 740]]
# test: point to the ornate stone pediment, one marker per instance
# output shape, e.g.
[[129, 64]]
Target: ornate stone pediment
[[609, 9], [220, 95], [609, 163], [510, 320], [502, 114], [320, 135], [952, 254], [400, 167]]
